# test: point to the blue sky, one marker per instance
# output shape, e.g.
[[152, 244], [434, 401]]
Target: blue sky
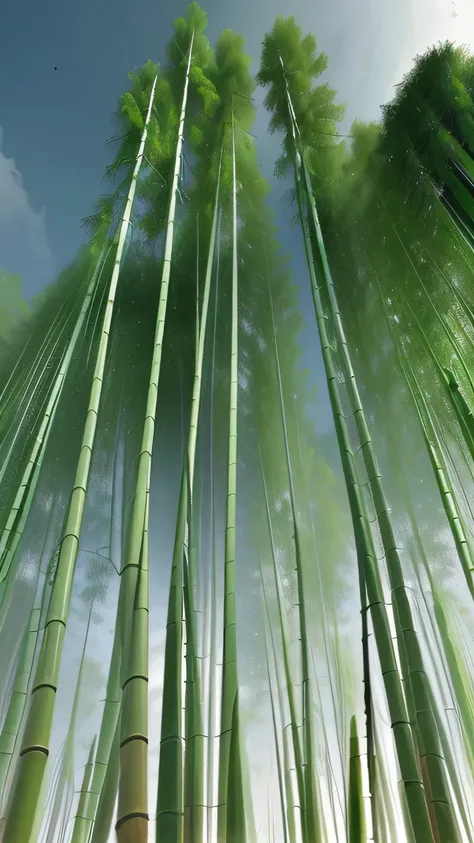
[[55, 123]]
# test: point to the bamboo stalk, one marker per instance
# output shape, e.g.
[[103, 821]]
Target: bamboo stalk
[[356, 810], [211, 714], [35, 746], [80, 820], [297, 752], [194, 746], [108, 794], [109, 724], [61, 799], [230, 799], [16, 707], [286, 800], [313, 812], [169, 810], [16, 710], [132, 811]]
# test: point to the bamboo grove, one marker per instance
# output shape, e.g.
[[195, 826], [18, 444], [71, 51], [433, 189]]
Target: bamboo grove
[[233, 610]]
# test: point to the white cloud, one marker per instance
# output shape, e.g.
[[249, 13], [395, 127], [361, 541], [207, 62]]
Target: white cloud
[[24, 247]]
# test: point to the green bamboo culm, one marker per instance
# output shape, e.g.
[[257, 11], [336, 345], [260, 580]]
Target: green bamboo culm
[[103, 818], [16, 710], [230, 814], [211, 614], [356, 808], [61, 790], [312, 813], [16, 707], [84, 824], [35, 746], [194, 738], [296, 743], [80, 819], [103, 757], [132, 811], [169, 810], [283, 767]]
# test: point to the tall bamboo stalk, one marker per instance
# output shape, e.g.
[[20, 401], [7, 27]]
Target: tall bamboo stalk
[[81, 819], [16, 707], [324, 599], [312, 810], [356, 810], [229, 811], [108, 728], [169, 811], [284, 787], [194, 747], [108, 795], [61, 801], [84, 824], [132, 811], [35, 746], [297, 750], [211, 683]]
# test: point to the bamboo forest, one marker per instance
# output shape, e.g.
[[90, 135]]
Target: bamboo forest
[[237, 446]]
